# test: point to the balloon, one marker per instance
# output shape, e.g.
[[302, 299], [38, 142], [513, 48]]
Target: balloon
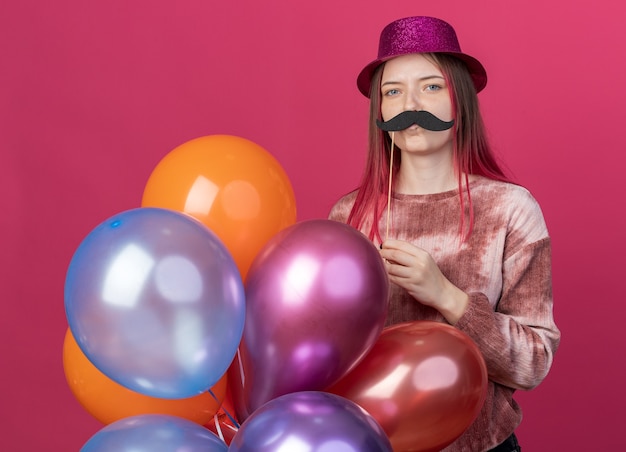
[[223, 427], [310, 421], [316, 301], [232, 185], [154, 433], [224, 423], [155, 302], [109, 401], [424, 382]]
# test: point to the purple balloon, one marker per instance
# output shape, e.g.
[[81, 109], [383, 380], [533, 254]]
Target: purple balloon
[[316, 302], [156, 302], [154, 433], [313, 421]]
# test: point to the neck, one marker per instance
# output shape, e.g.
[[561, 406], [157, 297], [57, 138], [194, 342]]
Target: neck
[[422, 175]]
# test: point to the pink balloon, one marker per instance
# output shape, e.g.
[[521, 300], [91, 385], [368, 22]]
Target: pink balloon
[[316, 302]]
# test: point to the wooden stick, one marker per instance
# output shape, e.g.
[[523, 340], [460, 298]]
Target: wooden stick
[[390, 185]]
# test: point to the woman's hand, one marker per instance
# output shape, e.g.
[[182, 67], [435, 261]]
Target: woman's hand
[[415, 270]]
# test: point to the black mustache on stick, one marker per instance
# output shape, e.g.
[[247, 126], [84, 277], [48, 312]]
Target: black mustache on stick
[[422, 118]]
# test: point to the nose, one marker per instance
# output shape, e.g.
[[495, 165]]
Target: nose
[[411, 101]]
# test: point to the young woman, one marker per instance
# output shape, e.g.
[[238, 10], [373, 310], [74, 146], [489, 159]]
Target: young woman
[[461, 243]]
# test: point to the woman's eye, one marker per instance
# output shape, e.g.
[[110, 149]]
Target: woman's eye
[[433, 87], [391, 92]]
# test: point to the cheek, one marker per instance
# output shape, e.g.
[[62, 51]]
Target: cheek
[[443, 110], [388, 110]]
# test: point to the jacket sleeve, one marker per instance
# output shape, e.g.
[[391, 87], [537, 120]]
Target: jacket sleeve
[[518, 340]]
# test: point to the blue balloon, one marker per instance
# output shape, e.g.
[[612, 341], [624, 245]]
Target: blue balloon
[[156, 302], [154, 433], [310, 421]]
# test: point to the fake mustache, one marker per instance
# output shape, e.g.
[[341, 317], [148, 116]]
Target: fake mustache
[[422, 118]]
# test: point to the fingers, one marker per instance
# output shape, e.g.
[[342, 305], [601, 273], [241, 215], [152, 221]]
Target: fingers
[[400, 264], [401, 246], [402, 253], [404, 260], [393, 244], [398, 271]]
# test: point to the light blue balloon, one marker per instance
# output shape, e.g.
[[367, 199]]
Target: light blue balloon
[[156, 302], [154, 433]]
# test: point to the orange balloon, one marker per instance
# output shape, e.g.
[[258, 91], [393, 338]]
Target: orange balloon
[[109, 401], [232, 185], [424, 382]]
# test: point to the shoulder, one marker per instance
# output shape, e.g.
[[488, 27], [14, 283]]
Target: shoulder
[[341, 210], [504, 194], [514, 204]]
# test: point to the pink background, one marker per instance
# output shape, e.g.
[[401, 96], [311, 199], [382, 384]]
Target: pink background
[[94, 94]]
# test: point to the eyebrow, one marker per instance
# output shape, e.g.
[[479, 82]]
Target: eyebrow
[[421, 79]]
